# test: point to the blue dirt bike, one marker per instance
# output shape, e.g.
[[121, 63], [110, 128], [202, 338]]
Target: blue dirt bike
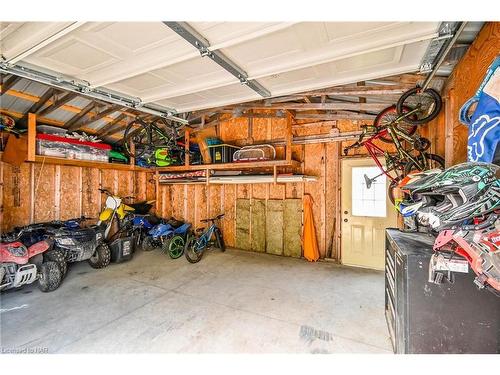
[[169, 236], [196, 245], [138, 225]]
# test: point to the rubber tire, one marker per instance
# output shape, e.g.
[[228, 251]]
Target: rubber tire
[[219, 240], [169, 247], [49, 276], [138, 237], [58, 257], [437, 100], [126, 141], [390, 191], [192, 256], [392, 108], [103, 258], [147, 244], [436, 158]]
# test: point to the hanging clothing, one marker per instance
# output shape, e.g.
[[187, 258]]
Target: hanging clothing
[[309, 240]]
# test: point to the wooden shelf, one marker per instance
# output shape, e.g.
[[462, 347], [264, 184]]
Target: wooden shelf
[[90, 164], [231, 166]]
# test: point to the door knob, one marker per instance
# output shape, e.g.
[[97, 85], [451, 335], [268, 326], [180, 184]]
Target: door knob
[[345, 220]]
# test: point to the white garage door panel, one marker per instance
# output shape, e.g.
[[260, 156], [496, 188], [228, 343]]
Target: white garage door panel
[[307, 43], [150, 61], [19, 37], [215, 97]]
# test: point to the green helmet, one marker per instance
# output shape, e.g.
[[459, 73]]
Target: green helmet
[[456, 195]]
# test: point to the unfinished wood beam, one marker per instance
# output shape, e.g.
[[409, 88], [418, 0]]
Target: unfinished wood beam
[[40, 103], [9, 83], [113, 127], [317, 106], [116, 129], [333, 116], [361, 90], [72, 123], [57, 104], [288, 136], [100, 115], [31, 137]]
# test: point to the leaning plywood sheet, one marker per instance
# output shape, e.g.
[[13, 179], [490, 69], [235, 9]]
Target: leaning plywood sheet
[[274, 227], [258, 225], [243, 224], [292, 216]]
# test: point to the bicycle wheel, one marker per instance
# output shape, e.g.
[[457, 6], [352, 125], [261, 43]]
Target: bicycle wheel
[[427, 102], [387, 116], [433, 161], [138, 133], [192, 254], [175, 247], [391, 190], [219, 240]]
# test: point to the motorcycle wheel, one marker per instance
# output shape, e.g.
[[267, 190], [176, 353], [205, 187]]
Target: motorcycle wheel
[[175, 247], [148, 244]]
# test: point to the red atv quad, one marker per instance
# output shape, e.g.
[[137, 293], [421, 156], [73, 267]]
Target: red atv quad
[[24, 258]]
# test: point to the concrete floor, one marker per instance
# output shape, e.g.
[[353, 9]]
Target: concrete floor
[[230, 302]]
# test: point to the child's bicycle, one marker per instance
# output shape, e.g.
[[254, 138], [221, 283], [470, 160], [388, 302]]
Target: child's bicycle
[[196, 245]]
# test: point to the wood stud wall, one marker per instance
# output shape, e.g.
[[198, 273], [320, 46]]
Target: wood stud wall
[[195, 202], [53, 192]]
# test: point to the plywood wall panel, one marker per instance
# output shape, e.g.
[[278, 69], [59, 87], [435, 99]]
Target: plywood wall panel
[[17, 181], [91, 196], [314, 165], [50, 192], [44, 197], [228, 223]]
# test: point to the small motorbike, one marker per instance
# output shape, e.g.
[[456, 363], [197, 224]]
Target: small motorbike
[[23, 261], [114, 212], [139, 225], [169, 236]]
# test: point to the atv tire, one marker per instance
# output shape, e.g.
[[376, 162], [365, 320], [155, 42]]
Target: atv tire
[[58, 257], [148, 244], [49, 276], [101, 257]]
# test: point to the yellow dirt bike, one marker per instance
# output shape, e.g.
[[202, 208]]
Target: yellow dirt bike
[[114, 208]]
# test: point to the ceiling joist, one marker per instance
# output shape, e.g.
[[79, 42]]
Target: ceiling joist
[[57, 104], [100, 116], [8, 83], [72, 123]]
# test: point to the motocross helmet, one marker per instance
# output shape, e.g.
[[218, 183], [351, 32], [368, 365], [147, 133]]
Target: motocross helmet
[[469, 190], [416, 185], [457, 194]]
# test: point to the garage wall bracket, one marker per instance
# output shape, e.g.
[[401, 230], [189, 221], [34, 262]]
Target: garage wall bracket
[[185, 31]]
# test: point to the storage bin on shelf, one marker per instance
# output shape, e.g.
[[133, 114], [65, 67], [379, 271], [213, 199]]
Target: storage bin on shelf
[[69, 148], [222, 153], [255, 153]]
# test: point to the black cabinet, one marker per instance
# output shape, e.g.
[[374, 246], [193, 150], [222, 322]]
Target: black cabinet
[[427, 318]]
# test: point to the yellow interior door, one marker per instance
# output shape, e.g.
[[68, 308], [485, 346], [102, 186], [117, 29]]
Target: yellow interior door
[[365, 214]]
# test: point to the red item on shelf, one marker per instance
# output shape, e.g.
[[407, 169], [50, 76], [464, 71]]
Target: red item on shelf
[[56, 138]]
